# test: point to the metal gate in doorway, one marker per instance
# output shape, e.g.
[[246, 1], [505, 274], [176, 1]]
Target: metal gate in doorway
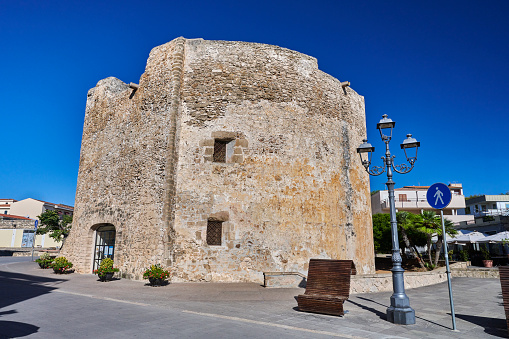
[[104, 244]]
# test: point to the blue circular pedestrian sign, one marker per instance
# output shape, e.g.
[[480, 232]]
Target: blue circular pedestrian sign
[[439, 196]]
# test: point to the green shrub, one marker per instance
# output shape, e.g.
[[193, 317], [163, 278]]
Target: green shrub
[[429, 266], [44, 260], [464, 255], [61, 265], [485, 253], [156, 272], [106, 266]]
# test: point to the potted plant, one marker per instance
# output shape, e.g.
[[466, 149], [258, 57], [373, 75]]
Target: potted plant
[[487, 262], [61, 265], [156, 275], [44, 260], [106, 270]]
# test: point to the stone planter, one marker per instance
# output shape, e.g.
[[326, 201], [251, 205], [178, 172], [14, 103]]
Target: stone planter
[[156, 281], [487, 263], [107, 277]]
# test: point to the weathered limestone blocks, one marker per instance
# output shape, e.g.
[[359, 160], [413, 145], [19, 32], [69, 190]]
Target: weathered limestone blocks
[[478, 272], [229, 160], [19, 224]]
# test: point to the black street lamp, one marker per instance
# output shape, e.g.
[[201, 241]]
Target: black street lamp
[[400, 311]]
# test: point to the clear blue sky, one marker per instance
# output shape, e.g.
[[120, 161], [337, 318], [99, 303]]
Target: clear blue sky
[[438, 68]]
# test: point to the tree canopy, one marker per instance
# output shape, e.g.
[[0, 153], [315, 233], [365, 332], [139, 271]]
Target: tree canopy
[[413, 230], [382, 233], [51, 223]]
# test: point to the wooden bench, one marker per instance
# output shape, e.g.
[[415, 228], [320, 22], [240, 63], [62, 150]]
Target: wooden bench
[[504, 283], [327, 286]]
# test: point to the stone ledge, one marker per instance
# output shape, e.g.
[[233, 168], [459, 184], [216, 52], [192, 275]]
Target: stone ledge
[[476, 272], [371, 283], [284, 279]]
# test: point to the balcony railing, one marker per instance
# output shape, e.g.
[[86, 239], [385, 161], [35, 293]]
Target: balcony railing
[[457, 202], [465, 223], [492, 212]]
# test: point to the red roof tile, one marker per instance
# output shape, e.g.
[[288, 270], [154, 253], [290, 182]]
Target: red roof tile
[[58, 205], [10, 216]]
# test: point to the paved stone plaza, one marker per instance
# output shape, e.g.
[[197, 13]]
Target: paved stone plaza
[[39, 304]]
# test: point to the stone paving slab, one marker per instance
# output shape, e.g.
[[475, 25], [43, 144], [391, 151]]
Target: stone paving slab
[[31, 298]]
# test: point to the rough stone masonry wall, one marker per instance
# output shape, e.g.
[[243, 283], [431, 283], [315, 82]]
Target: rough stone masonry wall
[[292, 188], [126, 167], [20, 224]]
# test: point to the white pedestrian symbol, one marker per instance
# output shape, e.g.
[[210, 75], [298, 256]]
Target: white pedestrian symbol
[[438, 195]]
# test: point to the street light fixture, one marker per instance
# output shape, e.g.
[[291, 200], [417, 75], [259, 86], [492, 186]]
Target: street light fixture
[[385, 125], [400, 311], [408, 144]]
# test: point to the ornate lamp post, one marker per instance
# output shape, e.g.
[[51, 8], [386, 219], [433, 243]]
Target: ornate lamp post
[[400, 311]]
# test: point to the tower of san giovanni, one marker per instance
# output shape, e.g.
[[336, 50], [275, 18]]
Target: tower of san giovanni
[[227, 160]]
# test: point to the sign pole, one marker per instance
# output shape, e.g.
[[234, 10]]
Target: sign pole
[[33, 237], [439, 196], [448, 271], [33, 244]]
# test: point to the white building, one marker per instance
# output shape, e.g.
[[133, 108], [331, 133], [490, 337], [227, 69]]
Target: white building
[[5, 205], [488, 205], [413, 199]]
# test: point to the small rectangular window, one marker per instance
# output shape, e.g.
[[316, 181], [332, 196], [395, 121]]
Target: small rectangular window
[[214, 233], [220, 150], [402, 197]]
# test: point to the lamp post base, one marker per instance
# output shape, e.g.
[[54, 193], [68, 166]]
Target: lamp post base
[[401, 315]]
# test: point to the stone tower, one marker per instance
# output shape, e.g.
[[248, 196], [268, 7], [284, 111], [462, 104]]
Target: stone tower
[[228, 160]]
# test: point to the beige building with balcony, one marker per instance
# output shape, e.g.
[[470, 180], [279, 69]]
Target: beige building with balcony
[[413, 199], [32, 208]]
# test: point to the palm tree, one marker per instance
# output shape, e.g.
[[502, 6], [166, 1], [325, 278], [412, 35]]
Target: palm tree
[[449, 229], [403, 222], [429, 224]]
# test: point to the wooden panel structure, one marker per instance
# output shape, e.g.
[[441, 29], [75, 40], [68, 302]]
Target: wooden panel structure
[[327, 287], [504, 282]]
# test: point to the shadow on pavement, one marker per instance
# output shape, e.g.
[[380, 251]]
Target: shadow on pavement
[[385, 316], [493, 326], [14, 329], [15, 288], [381, 315]]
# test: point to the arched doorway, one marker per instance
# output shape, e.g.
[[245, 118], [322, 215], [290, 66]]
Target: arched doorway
[[104, 244]]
